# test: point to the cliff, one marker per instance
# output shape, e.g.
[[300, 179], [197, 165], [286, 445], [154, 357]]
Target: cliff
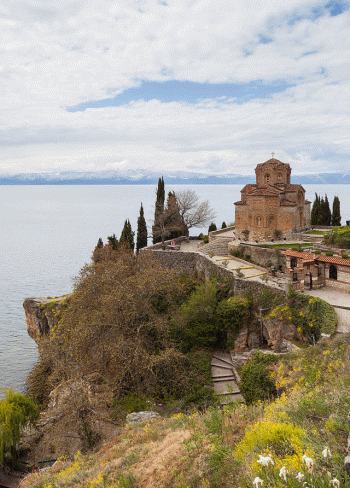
[[42, 314]]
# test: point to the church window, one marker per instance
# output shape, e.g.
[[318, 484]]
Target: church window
[[267, 179], [258, 221], [279, 176]]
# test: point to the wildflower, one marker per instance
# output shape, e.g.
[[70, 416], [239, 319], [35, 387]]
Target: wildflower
[[308, 461], [283, 473], [265, 460], [300, 476], [257, 482], [335, 483], [326, 452]]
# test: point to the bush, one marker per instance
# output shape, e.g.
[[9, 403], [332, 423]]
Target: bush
[[223, 225], [205, 239], [345, 256], [329, 253], [256, 382], [317, 251], [212, 227], [16, 411]]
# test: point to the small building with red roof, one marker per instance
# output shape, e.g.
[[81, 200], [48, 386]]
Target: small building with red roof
[[311, 271], [272, 206]]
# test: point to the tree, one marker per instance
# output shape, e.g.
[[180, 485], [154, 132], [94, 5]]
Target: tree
[[336, 217], [193, 212], [223, 225], [212, 227], [141, 239], [113, 242], [315, 210], [168, 222], [16, 411], [127, 235], [159, 208], [326, 215]]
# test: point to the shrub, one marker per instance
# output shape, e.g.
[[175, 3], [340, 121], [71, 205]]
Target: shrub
[[16, 411], [223, 225], [317, 251], [345, 256], [329, 253], [205, 239], [256, 382], [212, 227], [277, 234]]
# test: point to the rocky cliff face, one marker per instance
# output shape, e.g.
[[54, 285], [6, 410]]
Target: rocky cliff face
[[42, 314]]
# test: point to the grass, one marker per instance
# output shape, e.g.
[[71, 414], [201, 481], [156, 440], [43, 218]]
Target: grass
[[315, 232], [220, 448], [283, 245]]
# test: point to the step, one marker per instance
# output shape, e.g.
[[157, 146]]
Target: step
[[219, 364], [226, 379], [224, 356], [226, 388], [235, 397], [227, 361]]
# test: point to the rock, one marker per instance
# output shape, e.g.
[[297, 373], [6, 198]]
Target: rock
[[275, 330], [76, 419], [142, 417], [42, 314]]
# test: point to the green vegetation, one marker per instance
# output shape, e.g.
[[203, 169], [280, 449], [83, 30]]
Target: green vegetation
[[212, 227], [16, 412], [127, 235], [298, 439], [256, 383], [283, 245], [338, 237], [315, 232], [311, 316], [223, 225], [159, 208], [336, 217], [141, 239]]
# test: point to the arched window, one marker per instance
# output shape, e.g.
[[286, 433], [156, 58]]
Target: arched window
[[258, 221], [270, 221], [293, 263], [279, 176], [267, 179], [333, 273], [300, 198]]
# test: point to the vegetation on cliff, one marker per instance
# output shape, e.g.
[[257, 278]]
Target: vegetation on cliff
[[298, 439], [338, 237]]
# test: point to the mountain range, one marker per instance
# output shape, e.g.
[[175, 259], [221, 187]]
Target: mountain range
[[143, 177]]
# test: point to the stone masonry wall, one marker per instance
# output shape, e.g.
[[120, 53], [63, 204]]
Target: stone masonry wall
[[261, 255], [190, 262]]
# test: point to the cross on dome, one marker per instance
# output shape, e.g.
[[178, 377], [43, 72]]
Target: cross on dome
[[273, 154]]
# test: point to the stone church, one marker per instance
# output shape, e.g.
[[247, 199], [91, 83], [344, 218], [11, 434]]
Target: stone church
[[272, 207]]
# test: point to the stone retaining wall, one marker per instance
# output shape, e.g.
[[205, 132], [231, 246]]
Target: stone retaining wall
[[262, 255], [190, 262]]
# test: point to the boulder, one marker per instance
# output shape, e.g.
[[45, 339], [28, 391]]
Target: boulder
[[138, 417]]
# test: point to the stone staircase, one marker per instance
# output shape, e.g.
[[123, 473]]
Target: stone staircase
[[225, 377], [218, 247]]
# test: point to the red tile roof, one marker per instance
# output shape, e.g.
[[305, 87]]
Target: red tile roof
[[287, 203], [8, 480], [317, 257]]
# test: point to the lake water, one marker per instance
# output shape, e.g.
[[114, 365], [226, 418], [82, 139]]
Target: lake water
[[48, 233]]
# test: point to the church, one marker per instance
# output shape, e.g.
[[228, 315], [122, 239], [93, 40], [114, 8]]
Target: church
[[272, 207]]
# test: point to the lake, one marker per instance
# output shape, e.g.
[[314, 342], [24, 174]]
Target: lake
[[48, 233]]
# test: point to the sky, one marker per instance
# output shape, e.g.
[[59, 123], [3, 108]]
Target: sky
[[169, 86]]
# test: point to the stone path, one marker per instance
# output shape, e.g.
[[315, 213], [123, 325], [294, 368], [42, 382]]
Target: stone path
[[225, 377]]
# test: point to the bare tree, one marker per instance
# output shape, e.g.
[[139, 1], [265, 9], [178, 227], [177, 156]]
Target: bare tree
[[182, 213], [193, 212]]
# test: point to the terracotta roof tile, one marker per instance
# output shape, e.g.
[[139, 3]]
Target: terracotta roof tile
[[287, 203], [318, 257], [240, 203]]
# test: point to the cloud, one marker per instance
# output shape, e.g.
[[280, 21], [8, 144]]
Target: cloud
[[59, 54]]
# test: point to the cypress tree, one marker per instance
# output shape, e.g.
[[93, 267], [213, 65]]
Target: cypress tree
[[315, 210], [336, 218], [212, 227], [176, 226], [223, 225], [99, 244], [159, 208], [327, 210], [141, 239], [127, 235]]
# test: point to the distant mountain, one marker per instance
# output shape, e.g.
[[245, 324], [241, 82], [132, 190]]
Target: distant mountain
[[142, 177]]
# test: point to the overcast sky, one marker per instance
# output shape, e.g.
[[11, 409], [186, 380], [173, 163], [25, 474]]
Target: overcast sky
[[167, 85]]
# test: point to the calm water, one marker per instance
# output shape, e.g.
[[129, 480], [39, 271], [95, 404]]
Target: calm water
[[48, 234]]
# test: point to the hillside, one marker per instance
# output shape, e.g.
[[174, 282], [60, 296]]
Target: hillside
[[304, 432]]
